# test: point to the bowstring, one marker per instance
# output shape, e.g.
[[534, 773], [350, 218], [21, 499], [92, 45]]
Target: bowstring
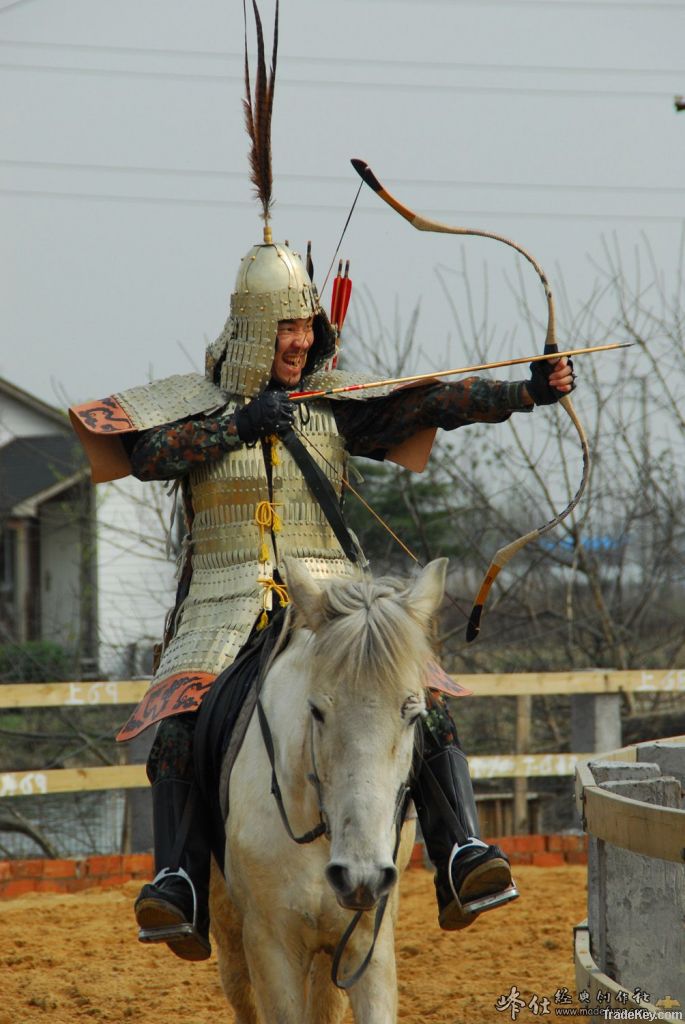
[[342, 235]]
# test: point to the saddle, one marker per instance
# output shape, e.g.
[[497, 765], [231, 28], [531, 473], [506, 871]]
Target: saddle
[[223, 718]]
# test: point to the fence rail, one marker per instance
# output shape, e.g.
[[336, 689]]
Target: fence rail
[[513, 684], [517, 766]]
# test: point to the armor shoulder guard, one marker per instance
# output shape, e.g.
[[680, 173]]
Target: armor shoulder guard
[[100, 425]]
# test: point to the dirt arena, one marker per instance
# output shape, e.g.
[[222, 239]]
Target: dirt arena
[[75, 958]]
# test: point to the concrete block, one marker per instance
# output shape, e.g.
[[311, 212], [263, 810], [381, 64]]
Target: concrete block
[[661, 791], [669, 755], [623, 771]]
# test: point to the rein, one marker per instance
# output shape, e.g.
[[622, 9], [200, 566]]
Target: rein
[[352, 979], [318, 830]]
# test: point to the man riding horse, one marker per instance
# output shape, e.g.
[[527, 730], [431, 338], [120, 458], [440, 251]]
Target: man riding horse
[[261, 478], [248, 504]]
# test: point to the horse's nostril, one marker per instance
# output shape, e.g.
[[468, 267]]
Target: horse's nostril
[[338, 877], [363, 887], [388, 879]]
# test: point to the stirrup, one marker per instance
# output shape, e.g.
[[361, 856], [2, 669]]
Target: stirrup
[[460, 914], [183, 936]]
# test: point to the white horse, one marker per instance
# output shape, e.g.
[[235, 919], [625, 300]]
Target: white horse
[[342, 702]]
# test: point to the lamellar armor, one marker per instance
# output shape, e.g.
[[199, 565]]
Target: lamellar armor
[[252, 506]]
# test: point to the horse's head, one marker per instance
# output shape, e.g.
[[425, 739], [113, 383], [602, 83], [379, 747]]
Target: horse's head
[[367, 661]]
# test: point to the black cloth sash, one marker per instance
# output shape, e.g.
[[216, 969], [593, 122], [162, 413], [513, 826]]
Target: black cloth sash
[[323, 491]]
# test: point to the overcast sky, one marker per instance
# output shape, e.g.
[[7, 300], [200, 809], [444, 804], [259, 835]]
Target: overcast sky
[[124, 194]]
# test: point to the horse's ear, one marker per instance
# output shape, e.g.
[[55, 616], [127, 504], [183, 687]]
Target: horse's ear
[[427, 590], [305, 592]]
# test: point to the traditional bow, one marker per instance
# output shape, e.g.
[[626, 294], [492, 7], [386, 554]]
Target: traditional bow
[[551, 348]]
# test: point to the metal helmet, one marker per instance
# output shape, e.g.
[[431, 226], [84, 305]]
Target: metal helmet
[[272, 285]]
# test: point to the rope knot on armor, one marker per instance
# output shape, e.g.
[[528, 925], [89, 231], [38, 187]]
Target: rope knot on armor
[[267, 518], [271, 587]]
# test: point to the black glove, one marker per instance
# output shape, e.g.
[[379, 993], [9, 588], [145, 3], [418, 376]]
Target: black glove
[[272, 412], [538, 386]]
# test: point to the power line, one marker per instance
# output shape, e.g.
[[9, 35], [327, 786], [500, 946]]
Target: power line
[[188, 172], [369, 86], [342, 61], [334, 208], [646, 5], [14, 3]]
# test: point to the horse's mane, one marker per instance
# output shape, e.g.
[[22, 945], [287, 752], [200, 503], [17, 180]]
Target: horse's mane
[[369, 628]]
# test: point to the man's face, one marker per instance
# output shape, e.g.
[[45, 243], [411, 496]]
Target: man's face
[[294, 338]]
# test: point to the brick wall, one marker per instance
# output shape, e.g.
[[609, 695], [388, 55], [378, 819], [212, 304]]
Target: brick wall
[[21, 876]]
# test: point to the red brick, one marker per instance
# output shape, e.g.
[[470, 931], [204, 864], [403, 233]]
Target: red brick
[[111, 881], [79, 884], [5, 870], [548, 860], [555, 843], [520, 858], [49, 885], [18, 887], [138, 863], [60, 869], [26, 868], [103, 864], [508, 843], [416, 859], [576, 856], [522, 844], [574, 843]]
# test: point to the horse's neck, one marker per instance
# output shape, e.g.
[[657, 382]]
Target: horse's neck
[[284, 697]]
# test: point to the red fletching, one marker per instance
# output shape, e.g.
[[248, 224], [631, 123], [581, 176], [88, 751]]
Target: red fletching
[[335, 295], [345, 295]]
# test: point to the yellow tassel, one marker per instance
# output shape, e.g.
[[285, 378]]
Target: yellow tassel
[[266, 518], [263, 621]]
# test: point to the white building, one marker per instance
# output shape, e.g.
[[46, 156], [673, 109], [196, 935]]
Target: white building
[[83, 567]]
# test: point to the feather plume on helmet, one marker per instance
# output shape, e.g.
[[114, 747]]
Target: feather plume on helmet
[[258, 116], [272, 282]]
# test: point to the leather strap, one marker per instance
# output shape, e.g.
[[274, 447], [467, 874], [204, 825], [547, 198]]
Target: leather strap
[[352, 979], [323, 491]]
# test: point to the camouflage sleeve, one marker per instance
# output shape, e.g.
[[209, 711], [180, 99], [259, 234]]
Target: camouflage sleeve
[[169, 451], [370, 428]]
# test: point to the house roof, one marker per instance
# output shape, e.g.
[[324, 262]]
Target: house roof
[[33, 469], [58, 416]]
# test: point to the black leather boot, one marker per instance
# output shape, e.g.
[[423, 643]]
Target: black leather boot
[[470, 875], [174, 907]]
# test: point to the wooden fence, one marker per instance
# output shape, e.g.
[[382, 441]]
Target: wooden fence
[[520, 766]]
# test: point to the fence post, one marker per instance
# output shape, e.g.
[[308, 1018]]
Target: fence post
[[138, 837], [523, 705], [595, 722]]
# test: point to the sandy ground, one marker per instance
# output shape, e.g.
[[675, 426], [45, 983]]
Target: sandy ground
[[69, 959]]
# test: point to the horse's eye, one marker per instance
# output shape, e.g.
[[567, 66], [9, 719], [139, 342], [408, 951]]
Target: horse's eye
[[412, 710], [317, 715]]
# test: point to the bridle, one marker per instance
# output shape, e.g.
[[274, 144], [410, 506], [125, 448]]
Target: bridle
[[322, 828]]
